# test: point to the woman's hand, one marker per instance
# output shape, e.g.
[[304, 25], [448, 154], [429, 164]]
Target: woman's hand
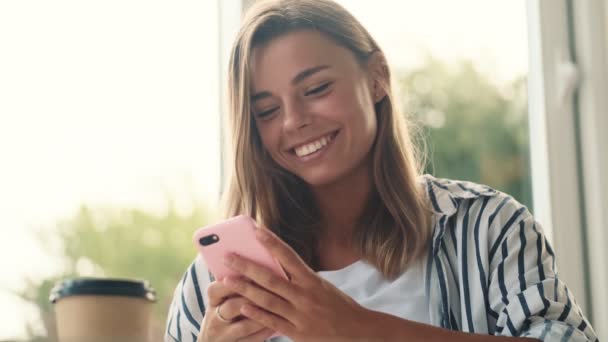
[[238, 328], [305, 308]]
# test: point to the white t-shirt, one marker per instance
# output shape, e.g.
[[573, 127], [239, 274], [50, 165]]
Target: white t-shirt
[[403, 297]]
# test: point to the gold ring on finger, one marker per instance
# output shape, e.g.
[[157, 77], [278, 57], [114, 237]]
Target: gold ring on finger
[[219, 315]]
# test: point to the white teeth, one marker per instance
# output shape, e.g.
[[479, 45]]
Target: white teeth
[[313, 146], [309, 149]]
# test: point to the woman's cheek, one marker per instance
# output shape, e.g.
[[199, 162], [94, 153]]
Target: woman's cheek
[[331, 105], [272, 143]]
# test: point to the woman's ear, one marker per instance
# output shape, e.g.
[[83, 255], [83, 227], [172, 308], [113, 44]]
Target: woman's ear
[[379, 76]]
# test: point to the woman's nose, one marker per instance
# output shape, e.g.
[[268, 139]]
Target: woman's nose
[[295, 117]]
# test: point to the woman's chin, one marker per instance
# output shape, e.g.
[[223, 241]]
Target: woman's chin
[[319, 179]]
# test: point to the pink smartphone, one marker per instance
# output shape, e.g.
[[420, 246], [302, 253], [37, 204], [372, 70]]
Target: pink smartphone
[[235, 235]]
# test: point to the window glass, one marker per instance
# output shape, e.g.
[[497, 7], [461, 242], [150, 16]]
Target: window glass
[[108, 137]]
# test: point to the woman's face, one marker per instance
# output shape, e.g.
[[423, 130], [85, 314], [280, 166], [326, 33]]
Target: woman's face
[[313, 106]]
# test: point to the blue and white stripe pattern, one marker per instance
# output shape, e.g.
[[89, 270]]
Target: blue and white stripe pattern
[[490, 270]]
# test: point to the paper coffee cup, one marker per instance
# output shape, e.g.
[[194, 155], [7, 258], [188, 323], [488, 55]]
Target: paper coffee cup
[[97, 309]]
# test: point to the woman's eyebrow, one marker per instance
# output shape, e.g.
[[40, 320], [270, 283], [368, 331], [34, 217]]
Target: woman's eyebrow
[[260, 95], [308, 72], [299, 78]]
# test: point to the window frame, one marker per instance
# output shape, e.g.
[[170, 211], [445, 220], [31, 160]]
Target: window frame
[[552, 78], [589, 35], [568, 68]]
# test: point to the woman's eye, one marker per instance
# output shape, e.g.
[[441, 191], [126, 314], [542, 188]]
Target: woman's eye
[[266, 113], [318, 89]]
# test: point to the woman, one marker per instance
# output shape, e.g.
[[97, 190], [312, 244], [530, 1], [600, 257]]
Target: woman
[[374, 250]]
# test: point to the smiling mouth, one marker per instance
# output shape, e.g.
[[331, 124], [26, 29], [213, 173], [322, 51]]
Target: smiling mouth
[[315, 146]]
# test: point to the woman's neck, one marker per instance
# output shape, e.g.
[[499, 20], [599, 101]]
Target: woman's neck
[[342, 203]]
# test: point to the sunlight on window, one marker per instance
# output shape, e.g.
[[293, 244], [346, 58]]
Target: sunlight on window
[[111, 103], [492, 34]]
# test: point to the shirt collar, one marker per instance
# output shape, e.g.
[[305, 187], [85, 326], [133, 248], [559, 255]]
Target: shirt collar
[[445, 197]]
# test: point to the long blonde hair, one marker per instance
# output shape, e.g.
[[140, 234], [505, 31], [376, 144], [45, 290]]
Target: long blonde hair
[[394, 229]]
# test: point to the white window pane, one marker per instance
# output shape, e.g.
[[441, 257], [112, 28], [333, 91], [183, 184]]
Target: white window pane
[[112, 103]]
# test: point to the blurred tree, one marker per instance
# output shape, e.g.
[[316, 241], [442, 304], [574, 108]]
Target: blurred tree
[[474, 129], [122, 243]]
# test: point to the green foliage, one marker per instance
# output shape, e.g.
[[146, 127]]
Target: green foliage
[[475, 130], [123, 243], [133, 243]]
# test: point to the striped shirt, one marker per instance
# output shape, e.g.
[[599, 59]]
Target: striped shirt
[[490, 270]]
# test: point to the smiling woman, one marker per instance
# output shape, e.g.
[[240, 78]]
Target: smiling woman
[[374, 249], [354, 110], [332, 85]]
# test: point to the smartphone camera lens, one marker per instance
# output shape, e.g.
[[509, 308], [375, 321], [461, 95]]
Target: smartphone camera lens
[[209, 240]]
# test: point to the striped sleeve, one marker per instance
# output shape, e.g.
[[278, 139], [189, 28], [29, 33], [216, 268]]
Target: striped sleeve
[[187, 309], [524, 289]]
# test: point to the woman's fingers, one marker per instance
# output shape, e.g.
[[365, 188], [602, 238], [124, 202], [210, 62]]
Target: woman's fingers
[[243, 329], [288, 258], [261, 275], [230, 309], [261, 297], [218, 292], [215, 330], [259, 336]]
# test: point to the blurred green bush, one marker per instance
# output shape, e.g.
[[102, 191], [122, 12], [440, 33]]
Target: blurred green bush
[[121, 243], [475, 128]]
